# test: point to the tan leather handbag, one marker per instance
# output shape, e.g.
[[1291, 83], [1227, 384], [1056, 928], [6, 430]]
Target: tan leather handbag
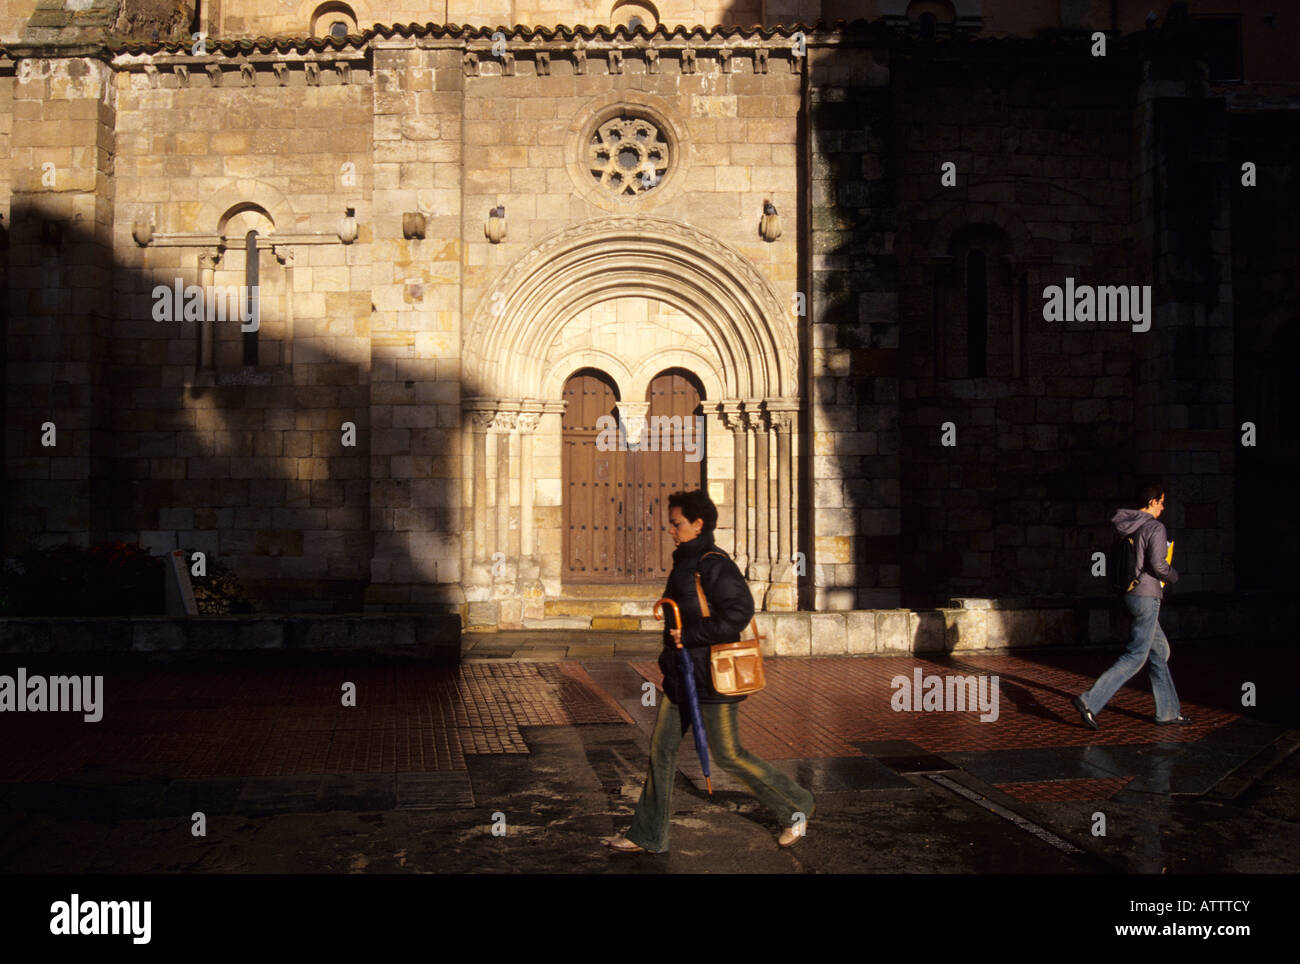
[[737, 668]]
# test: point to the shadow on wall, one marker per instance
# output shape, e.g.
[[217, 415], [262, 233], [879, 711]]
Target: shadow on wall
[[246, 459]]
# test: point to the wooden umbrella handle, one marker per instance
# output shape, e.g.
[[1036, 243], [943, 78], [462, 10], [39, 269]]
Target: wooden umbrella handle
[[677, 612]]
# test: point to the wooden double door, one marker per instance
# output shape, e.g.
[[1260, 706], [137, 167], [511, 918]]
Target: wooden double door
[[615, 500]]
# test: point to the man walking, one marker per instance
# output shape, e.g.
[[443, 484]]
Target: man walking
[[1147, 640]]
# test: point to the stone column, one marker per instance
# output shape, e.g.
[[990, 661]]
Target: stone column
[[207, 358], [481, 418], [527, 423], [503, 424], [529, 589], [760, 553], [735, 422], [784, 592]]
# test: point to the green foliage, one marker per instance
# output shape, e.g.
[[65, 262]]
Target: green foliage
[[219, 593]]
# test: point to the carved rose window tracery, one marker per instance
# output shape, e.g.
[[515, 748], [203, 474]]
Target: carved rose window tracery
[[628, 155]]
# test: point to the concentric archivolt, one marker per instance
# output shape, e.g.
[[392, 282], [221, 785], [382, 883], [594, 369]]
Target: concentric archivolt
[[506, 343]]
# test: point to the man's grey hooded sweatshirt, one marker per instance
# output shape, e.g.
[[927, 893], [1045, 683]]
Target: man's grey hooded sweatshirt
[[1152, 544]]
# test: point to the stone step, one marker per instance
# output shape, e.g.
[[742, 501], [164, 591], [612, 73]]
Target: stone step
[[615, 623], [621, 591], [558, 622], [588, 608]]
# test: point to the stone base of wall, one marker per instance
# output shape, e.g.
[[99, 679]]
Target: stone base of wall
[[996, 627], [429, 636]]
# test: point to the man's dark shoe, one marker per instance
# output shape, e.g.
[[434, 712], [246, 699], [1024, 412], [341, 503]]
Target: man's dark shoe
[[1089, 720], [1180, 720]]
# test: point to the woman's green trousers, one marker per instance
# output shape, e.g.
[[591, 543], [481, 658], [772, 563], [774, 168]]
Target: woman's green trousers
[[774, 789]]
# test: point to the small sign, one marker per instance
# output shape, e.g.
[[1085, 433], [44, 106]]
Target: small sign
[[180, 592]]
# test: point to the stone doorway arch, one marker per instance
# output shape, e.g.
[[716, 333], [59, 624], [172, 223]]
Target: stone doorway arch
[[718, 318]]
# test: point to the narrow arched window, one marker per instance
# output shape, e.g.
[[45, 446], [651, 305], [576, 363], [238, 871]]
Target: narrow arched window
[[252, 308], [977, 314]]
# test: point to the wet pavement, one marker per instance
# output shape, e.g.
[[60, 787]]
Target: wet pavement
[[516, 762]]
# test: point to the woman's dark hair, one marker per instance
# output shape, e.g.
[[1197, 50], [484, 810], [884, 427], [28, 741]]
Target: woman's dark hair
[[695, 505], [1148, 492]]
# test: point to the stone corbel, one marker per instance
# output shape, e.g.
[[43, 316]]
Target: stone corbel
[[469, 63], [507, 64], [182, 73], [344, 71], [151, 72], [688, 60], [760, 60], [313, 73], [214, 74], [632, 416], [283, 255], [579, 59], [651, 60], [724, 59], [615, 61], [796, 61], [543, 60], [281, 73], [247, 75]]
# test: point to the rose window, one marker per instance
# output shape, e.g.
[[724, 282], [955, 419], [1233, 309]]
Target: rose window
[[628, 156]]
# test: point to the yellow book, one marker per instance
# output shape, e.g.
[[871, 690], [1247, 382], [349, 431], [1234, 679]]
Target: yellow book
[[1169, 561]]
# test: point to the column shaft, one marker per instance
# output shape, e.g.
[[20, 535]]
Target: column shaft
[[762, 547]]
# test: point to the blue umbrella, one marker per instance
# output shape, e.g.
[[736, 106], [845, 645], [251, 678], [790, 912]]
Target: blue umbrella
[[692, 698]]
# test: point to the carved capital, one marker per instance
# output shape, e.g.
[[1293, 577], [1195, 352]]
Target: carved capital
[[729, 412], [505, 422], [481, 419], [781, 421], [528, 422]]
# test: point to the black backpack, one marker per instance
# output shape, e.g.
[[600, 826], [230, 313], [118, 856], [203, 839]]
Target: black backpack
[[1122, 563]]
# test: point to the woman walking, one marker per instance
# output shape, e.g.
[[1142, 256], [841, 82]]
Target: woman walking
[[692, 517]]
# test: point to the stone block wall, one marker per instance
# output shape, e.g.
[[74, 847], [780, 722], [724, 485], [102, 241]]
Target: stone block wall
[[247, 462], [854, 316], [733, 136], [1014, 461], [59, 224]]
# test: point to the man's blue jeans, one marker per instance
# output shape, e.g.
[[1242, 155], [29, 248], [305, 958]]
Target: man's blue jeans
[[781, 795], [1146, 642]]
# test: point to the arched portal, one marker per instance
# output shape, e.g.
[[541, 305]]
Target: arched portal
[[675, 319]]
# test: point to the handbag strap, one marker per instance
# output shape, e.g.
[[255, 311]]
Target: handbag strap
[[704, 603], [699, 587]]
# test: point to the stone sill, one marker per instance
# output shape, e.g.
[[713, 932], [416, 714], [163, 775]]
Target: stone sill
[[1082, 623]]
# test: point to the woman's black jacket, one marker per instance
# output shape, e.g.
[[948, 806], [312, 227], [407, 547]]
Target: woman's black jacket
[[731, 606]]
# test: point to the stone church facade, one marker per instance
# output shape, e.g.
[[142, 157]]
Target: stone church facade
[[473, 238]]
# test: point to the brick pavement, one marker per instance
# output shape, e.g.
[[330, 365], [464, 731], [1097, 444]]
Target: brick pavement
[[284, 721], [277, 721], [824, 707]]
